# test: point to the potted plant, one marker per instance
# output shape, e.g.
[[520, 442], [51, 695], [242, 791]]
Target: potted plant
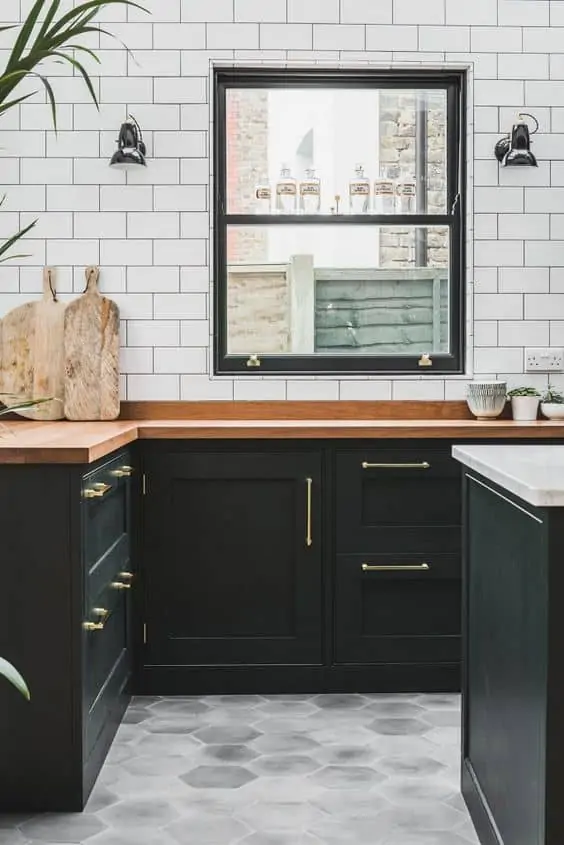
[[524, 403], [552, 403], [13, 676]]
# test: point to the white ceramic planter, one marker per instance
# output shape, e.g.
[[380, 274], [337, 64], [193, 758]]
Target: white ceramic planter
[[524, 408], [553, 410]]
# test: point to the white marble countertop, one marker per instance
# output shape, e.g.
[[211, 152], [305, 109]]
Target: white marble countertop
[[535, 473]]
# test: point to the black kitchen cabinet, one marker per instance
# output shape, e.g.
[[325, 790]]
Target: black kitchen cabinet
[[233, 560], [66, 622]]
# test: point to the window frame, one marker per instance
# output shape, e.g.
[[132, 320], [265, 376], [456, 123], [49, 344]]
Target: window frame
[[453, 81]]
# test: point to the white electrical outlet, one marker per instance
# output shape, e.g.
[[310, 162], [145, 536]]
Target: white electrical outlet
[[544, 360]]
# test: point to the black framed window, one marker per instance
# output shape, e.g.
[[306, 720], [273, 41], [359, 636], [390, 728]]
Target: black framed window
[[338, 221]]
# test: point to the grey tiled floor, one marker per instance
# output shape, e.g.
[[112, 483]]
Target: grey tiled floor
[[276, 770]]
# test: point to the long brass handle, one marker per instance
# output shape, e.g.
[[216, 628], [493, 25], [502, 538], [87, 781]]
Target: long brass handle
[[421, 465], [416, 567], [97, 491], [123, 472], [309, 538]]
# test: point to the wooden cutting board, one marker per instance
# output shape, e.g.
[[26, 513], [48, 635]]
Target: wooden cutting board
[[92, 354], [31, 353]]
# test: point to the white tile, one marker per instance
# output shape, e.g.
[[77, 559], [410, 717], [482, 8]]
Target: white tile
[[195, 116], [126, 89], [523, 280], [556, 63], [50, 224], [211, 10], [194, 333], [524, 226], [526, 176], [556, 333], [523, 12], [153, 332], [108, 224], [422, 389], [556, 279], [310, 390], [415, 11], [492, 92], [313, 11], [177, 252], [180, 306], [498, 306], [73, 197], [524, 333], [496, 39], [156, 62], [72, 144], [538, 39], [174, 36], [486, 119], [133, 306], [156, 388], [477, 13], [452, 38], [498, 359], [194, 171], [23, 144], [485, 279], [153, 224], [126, 252], [391, 37], [180, 198], [544, 306], [247, 11], [46, 171], [202, 388], [338, 37], [290, 36], [153, 279], [126, 198], [557, 226], [486, 173], [485, 333], [180, 144], [509, 253], [365, 390], [181, 90], [485, 226], [25, 198], [137, 36], [194, 279], [509, 200], [194, 224], [232, 36], [544, 93], [180, 360], [96, 171], [544, 253], [160, 171], [557, 173], [38, 116], [136, 360], [522, 65], [74, 252]]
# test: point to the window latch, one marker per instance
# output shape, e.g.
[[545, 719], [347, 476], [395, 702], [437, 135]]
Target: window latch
[[455, 203]]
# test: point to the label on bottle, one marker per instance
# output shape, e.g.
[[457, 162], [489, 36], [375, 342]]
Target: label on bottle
[[263, 193], [359, 189], [383, 188], [309, 189], [406, 189], [286, 189]]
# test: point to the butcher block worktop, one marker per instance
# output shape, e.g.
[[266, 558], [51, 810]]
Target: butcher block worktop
[[22, 441]]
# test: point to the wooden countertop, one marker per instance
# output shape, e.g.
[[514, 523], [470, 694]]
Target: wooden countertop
[[23, 442]]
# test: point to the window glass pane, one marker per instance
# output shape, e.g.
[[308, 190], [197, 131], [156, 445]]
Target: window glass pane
[[332, 290], [339, 149]]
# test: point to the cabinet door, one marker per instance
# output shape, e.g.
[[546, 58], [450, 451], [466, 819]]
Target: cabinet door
[[397, 608], [233, 559], [393, 499]]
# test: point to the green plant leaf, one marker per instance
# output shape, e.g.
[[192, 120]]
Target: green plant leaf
[[13, 676], [7, 245], [23, 404], [25, 33]]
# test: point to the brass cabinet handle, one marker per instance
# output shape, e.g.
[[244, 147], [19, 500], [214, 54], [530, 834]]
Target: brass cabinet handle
[[309, 538], [123, 472], [97, 491], [421, 465], [97, 626], [117, 585], [416, 567], [127, 576]]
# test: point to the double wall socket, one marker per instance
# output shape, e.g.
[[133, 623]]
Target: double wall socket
[[544, 360]]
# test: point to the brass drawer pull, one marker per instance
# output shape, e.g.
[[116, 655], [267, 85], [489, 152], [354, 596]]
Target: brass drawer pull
[[97, 491], [416, 567], [123, 472], [118, 585], [309, 538], [97, 626], [127, 576], [421, 465]]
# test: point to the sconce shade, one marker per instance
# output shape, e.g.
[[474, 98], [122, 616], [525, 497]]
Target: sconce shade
[[516, 152], [131, 148]]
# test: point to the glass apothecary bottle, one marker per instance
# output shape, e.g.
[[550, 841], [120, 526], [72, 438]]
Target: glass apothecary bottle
[[405, 196], [263, 198], [359, 192], [384, 195], [286, 192], [310, 193]]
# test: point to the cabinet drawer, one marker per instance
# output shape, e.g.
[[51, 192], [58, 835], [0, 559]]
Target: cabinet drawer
[[406, 499], [105, 509], [397, 608], [103, 647]]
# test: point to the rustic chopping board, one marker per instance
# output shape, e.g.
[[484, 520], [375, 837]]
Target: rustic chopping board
[[91, 352], [31, 353]]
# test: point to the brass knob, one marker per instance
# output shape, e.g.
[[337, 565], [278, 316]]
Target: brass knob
[[117, 585], [128, 576], [123, 472], [100, 611]]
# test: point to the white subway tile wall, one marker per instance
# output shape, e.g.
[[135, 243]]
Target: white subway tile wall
[[151, 231]]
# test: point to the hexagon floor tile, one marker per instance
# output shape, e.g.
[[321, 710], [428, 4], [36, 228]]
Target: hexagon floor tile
[[272, 770]]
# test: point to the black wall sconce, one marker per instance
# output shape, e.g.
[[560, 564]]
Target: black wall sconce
[[515, 150], [131, 150]]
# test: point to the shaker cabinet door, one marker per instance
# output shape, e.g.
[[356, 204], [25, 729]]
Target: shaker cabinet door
[[233, 559]]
